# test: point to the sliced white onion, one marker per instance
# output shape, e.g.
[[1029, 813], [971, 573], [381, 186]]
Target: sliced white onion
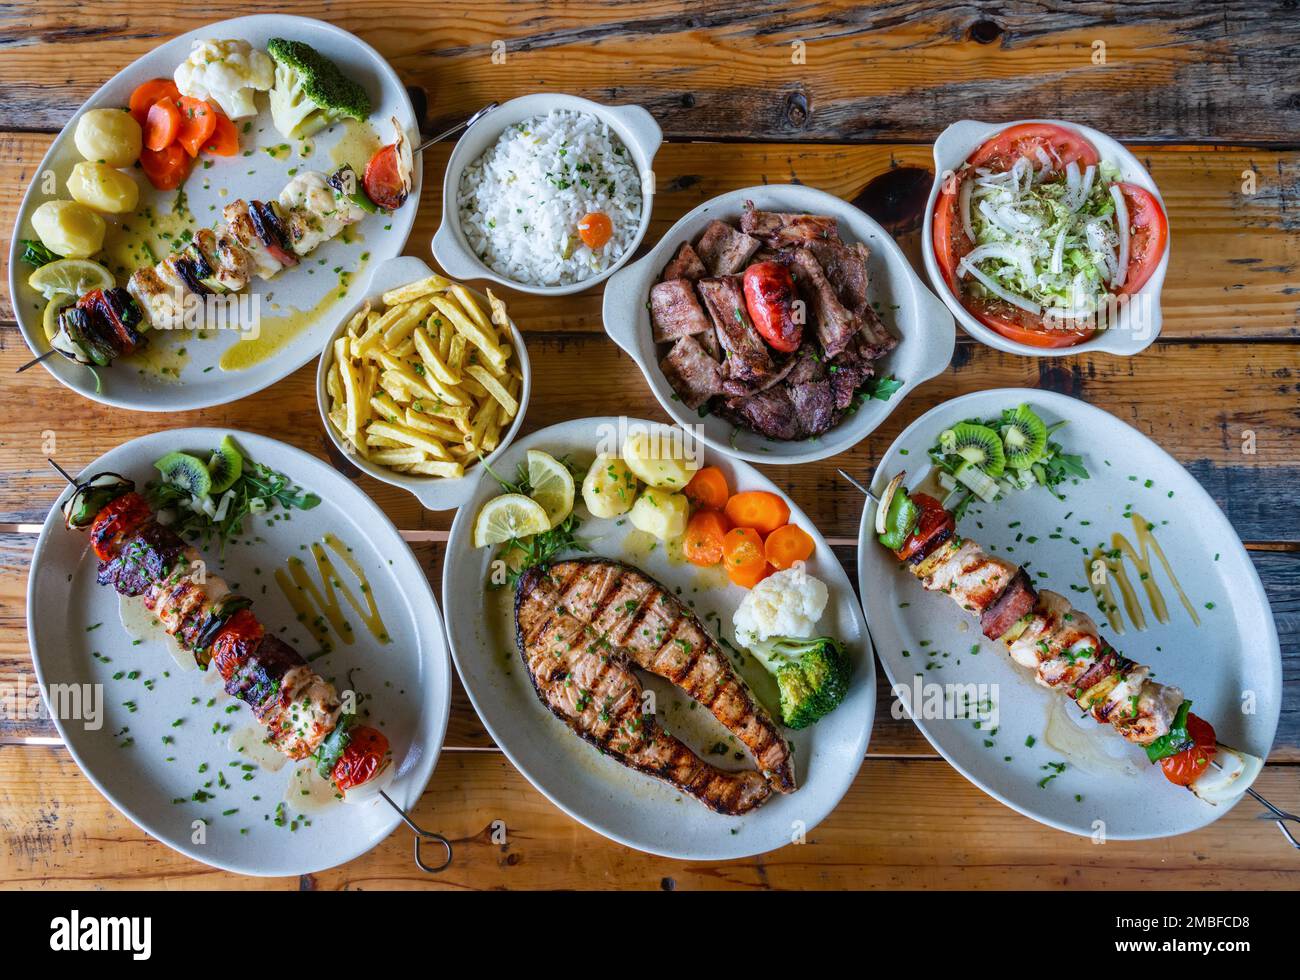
[[1058, 253], [1017, 256], [882, 508], [1089, 175], [963, 203], [1027, 305], [1121, 221], [1228, 776], [1072, 181], [1043, 158], [224, 506]]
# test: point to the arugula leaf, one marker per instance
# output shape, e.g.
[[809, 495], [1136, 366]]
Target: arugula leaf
[[35, 254]]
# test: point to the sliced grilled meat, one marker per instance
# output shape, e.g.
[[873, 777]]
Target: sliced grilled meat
[[1016, 601], [618, 616], [836, 324], [748, 358], [779, 230], [686, 264], [694, 375], [675, 312], [725, 250]]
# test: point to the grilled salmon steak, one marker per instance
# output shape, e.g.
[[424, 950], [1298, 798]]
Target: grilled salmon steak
[[583, 625]]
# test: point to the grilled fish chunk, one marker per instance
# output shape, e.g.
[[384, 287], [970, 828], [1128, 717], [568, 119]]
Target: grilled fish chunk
[[622, 612], [594, 691], [163, 304]]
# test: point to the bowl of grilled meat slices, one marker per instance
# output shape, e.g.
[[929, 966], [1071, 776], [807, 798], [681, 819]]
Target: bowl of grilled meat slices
[[781, 321]]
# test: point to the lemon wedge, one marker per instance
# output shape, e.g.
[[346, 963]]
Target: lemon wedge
[[552, 485], [511, 515], [72, 277]]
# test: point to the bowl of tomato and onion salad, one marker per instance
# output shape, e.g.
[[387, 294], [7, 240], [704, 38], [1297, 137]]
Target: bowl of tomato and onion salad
[[1138, 322]]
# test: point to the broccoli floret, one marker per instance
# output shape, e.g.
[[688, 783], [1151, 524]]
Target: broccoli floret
[[812, 675], [310, 91]]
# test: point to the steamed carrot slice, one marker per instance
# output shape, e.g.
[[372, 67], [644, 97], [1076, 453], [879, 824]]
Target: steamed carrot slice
[[198, 122], [759, 509], [162, 125], [147, 93], [702, 544], [708, 488], [743, 558], [787, 545]]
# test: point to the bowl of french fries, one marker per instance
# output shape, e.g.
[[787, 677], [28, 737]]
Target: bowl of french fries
[[424, 381]]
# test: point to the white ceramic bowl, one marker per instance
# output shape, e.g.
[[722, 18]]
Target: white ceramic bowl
[[1130, 334], [634, 126], [911, 312], [434, 492]]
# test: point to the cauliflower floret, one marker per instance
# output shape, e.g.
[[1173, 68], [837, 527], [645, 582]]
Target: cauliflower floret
[[228, 73], [786, 603]]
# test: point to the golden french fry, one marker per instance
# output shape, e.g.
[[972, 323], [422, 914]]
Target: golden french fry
[[503, 397], [433, 362], [470, 304], [410, 437], [386, 408], [401, 328], [383, 442], [452, 471], [485, 341], [415, 290], [398, 457], [333, 386], [437, 427]]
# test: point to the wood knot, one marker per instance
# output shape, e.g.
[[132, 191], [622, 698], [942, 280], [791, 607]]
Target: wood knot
[[985, 32], [795, 111], [420, 103], [897, 198], [688, 100]]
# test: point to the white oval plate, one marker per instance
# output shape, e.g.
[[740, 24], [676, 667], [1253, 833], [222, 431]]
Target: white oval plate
[[913, 314], [201, 382], [1234, 650], [625, 806], [407, 682]]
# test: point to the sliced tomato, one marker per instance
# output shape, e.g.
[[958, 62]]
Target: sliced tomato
[[1186, 767], [1061, 145], [147, 93], [361, 760], [162, 124], [224, 140], [166, 168], [932, 521], [198, 121], [383, 179], [950, 241], [1020, 325], [1148, 231]]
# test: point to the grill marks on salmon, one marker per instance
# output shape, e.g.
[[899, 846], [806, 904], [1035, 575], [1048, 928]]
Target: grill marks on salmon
[[584, 624]]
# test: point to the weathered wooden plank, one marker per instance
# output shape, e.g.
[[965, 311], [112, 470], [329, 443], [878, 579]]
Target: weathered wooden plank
[[893, 69], [1232, 275], [1199, 401], [903, 824], [890, 736]]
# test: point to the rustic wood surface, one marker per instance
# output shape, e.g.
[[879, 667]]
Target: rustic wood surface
[[1207, 94]]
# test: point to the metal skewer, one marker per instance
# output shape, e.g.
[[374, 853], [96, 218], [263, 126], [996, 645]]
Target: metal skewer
[[1279, 816], [36, 360], [456, 129], [421, 834]]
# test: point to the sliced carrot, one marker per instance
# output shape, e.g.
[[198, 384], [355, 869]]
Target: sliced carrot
[[787, 545], [166, 168], [147, 93], [708, 488], [743, 558], [162, 124], [198, 121], [702, 544], [224, 141], [759, 509]]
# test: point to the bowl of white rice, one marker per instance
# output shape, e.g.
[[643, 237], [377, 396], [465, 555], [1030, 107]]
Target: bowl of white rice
[[549, 194]]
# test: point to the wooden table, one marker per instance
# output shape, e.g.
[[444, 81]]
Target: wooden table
[[836, 96]]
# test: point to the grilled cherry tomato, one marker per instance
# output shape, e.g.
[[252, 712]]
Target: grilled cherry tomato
[[769, 295], [1148, 232], [1186, 767], [236, 642], [118, 519], [383, 179], [595, 229], [933, 521], [361, 759]]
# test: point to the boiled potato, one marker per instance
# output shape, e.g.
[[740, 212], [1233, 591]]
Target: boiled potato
[[109, 136], [102, 188], [645, 456], [661, 514], [609, 487], [69, 229]]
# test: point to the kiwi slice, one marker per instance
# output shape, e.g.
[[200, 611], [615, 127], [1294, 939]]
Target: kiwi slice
[[977, 444], [225, 466], [1024, 437], [185, 471]]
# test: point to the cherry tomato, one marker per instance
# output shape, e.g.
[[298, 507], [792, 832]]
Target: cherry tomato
[[1186, 767], [166, 168], [198, 122], [115, 521], [1060, 144], [595, 229], [1148, 232], [932, 521], [236, 641], [383, 179], [769, 295], [147, 93], [361, 759]]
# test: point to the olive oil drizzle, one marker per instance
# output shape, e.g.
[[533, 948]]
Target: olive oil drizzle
[[1116, 572], [318, 608]]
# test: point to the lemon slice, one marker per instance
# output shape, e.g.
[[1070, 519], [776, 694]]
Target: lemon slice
[[552, 485], [50, 318], [73, 277], [511, 515]]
